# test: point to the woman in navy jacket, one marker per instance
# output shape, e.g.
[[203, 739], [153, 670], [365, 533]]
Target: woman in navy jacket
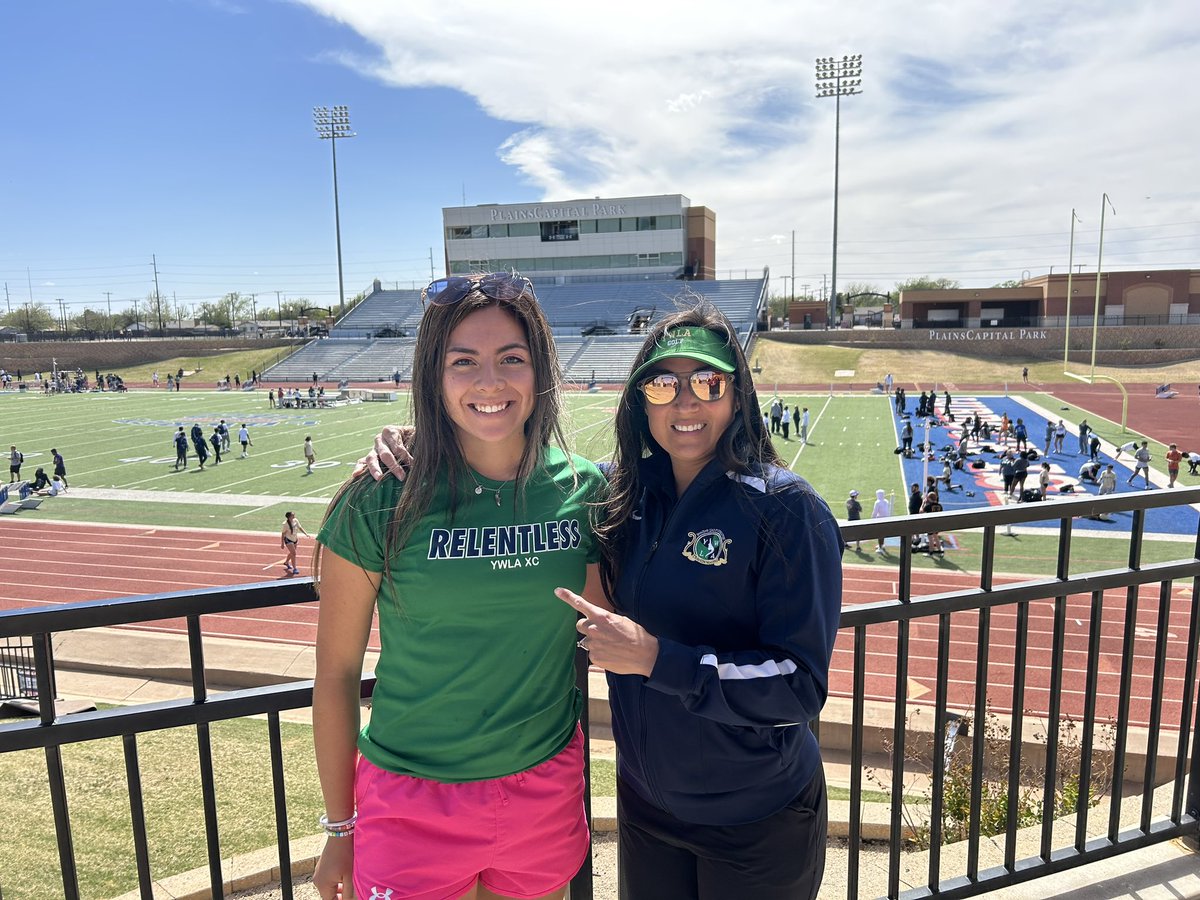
[[725, 571]]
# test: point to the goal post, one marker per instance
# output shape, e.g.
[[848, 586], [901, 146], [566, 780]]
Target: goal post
[[1091, 379]]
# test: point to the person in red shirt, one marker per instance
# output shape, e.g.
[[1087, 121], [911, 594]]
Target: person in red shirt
[[1173, 459]]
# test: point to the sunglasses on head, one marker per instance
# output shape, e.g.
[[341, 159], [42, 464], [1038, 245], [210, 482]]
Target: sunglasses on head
[[500, 286], [663, 388]]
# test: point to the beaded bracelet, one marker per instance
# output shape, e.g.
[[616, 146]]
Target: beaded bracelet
[[344, 828]]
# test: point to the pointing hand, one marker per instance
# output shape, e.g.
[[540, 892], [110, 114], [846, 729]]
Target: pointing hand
[[614, 642]]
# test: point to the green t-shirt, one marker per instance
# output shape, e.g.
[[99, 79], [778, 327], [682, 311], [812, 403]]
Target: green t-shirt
[[476, 671]]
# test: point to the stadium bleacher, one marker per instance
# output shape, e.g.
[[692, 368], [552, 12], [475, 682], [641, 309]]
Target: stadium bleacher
[[591, 322], [608, 357], [397, 311], [320, 356]]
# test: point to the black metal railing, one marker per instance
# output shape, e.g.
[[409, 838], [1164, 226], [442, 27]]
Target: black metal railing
[[987, 598], [890, 620]]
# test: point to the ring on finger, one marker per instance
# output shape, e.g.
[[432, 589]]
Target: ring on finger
[[582, 643]]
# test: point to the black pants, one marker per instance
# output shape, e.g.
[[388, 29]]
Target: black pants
[[781, 857]]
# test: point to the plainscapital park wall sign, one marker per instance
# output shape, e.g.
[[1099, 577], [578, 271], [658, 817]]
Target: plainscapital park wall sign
[[990, 334]]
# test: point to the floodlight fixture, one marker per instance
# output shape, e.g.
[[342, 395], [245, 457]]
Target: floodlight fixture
[[837, 79], [333, 122]]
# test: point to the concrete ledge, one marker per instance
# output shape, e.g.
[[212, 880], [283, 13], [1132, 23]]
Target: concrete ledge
[[244, 872], [230, 663]]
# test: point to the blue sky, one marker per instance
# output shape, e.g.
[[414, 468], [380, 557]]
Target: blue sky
[[183, 129]]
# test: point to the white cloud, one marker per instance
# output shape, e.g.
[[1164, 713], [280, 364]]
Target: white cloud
[[981, 124]]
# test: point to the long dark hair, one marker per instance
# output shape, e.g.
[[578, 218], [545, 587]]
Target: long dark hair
[[434, 443], [744, 445]]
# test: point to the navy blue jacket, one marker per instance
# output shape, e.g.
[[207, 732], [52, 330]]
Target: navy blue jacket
[[741, 582]]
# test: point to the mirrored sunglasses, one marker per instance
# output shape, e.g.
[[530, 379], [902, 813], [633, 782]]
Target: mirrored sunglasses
[[663, 388], [500, 286]]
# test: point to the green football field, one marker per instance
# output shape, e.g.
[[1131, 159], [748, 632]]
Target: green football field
[[119, 443], [120, 457]]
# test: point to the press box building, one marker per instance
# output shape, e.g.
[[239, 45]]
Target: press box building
[[619, 238]]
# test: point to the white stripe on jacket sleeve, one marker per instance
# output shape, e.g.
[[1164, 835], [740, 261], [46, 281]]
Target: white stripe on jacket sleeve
[[731, 672]]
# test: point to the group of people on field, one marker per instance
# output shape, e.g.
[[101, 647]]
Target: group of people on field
[[219, 441], [46, 485]]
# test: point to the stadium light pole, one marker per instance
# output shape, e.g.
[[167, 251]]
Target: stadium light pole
[[333, 122], [837, 78], [1099, 271], [1070, 266]]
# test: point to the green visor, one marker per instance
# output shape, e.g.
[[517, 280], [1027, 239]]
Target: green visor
[[689, 342]]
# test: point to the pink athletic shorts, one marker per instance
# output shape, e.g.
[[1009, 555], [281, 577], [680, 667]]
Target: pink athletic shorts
[[522, 835]]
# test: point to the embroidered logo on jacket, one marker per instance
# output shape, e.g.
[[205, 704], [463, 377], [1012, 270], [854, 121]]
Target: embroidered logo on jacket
[[709, 547]]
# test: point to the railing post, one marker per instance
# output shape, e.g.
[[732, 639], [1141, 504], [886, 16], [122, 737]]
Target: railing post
[[581, 887], [1193, 793], [43, 660]]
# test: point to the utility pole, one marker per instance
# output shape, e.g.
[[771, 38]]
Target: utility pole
[[791, 297], [7, 299], [1070, 266], [108, 296], [157, 298], [1104, 201], [279, 307], [431, 275], [837, 79]]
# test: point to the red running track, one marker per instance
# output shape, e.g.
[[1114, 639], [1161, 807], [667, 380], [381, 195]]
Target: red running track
[[65, 562], [51, 563]]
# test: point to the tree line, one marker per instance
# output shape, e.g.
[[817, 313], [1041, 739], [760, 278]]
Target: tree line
[[160, 314]]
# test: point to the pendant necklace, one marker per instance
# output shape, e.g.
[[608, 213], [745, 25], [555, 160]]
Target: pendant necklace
[[479, 488]]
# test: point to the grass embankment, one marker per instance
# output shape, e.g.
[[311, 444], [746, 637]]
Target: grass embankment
[[785, 363], [209, 368]]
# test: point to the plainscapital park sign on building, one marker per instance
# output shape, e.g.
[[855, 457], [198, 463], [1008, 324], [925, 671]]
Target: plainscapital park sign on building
[[990, 334]]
